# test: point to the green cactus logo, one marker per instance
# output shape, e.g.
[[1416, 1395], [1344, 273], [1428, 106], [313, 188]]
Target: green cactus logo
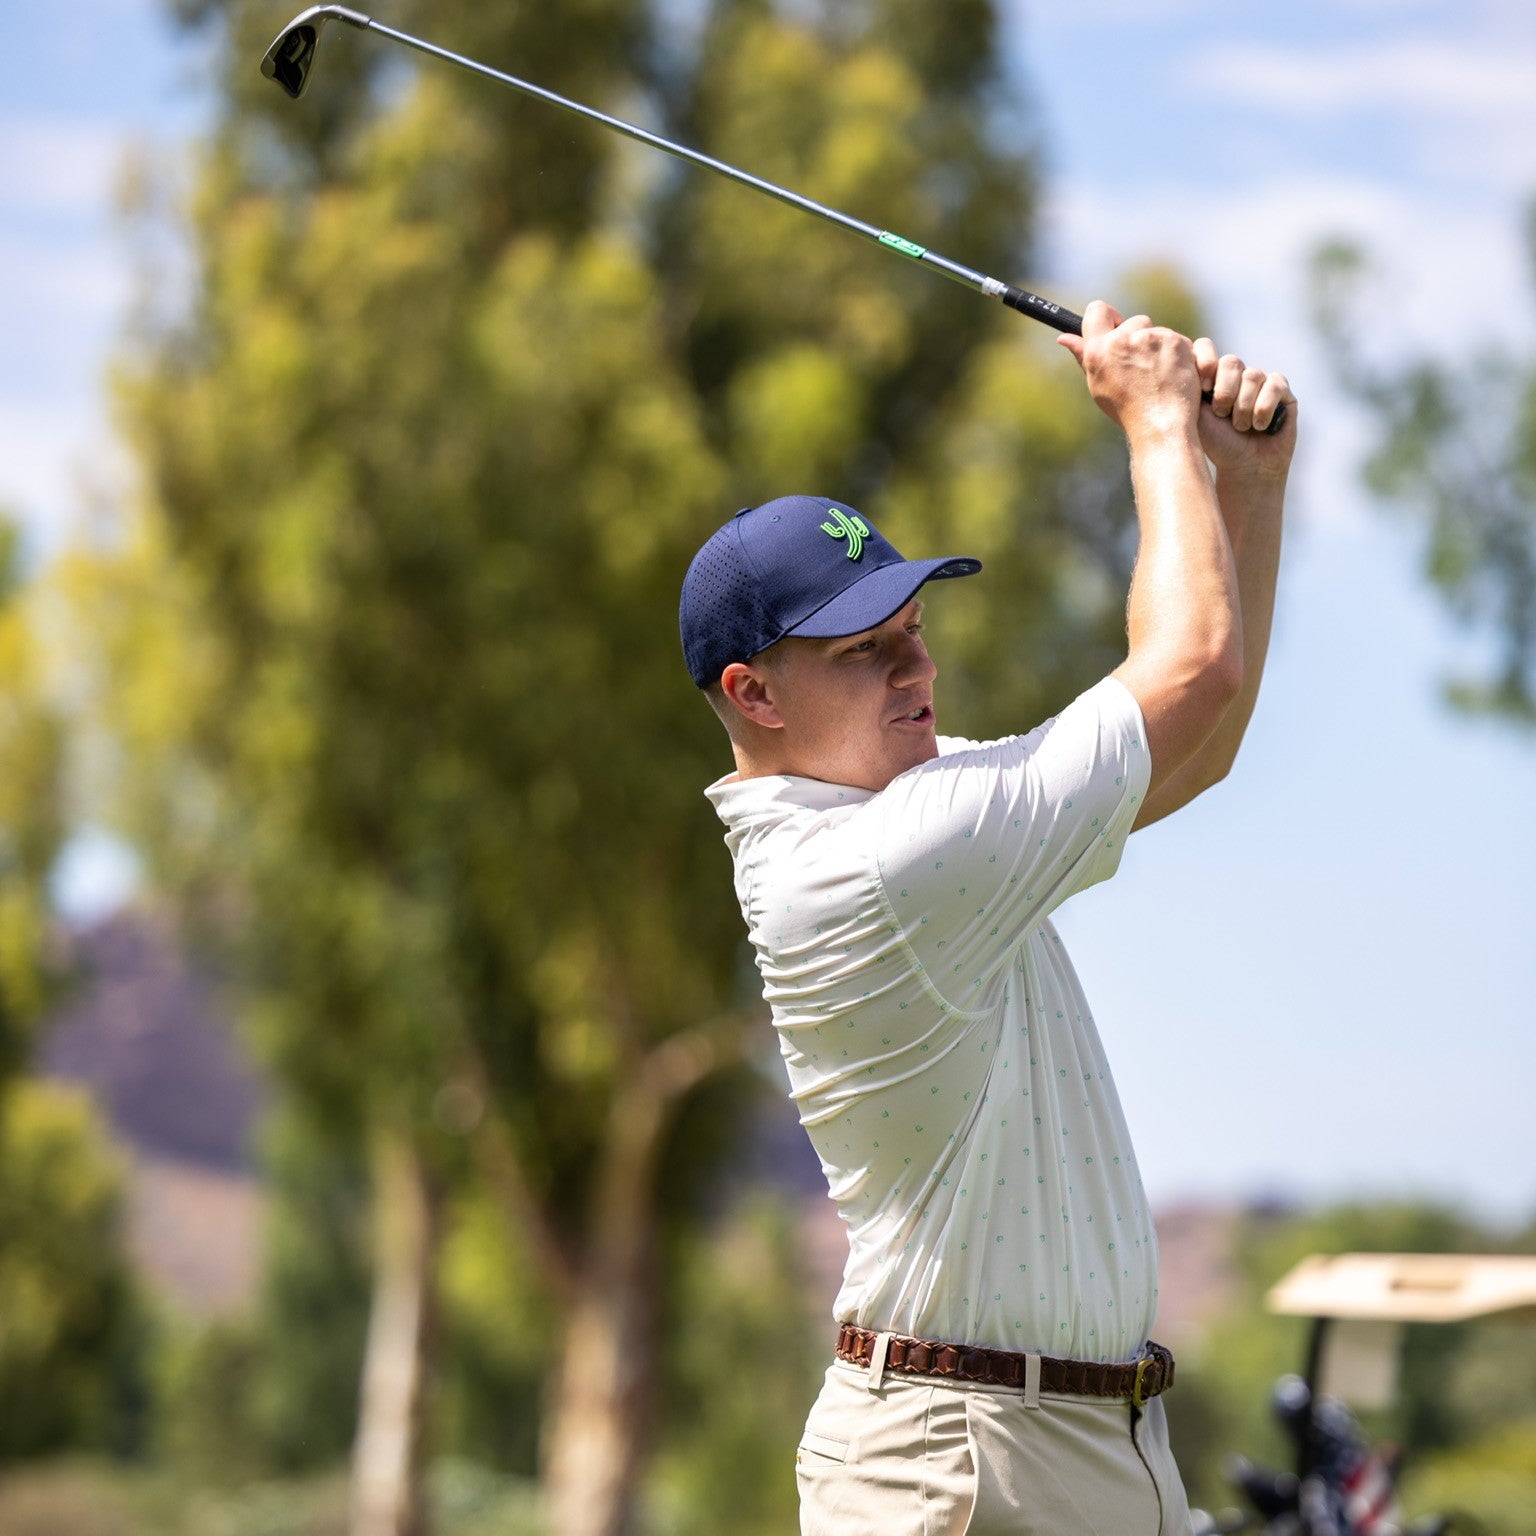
[[854, 529]]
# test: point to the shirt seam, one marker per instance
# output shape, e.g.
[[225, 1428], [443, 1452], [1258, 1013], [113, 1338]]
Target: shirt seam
[[1095, 850], [925, 978]]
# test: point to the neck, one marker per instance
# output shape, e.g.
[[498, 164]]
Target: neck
[[754, 765]]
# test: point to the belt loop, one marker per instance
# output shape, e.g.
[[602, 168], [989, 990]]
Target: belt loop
[[877, 1362], [1031, 1381]]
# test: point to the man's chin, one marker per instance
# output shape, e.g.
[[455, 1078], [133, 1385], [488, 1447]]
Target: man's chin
[[913, 753]]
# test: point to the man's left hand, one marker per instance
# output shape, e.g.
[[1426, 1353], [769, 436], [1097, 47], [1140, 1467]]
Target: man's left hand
[[1243, 403]]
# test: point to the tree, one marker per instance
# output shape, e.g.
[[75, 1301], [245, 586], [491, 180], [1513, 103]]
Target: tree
[[460, 388], [1460, 1386], [70, 1327], [1456, 448], [31, 811], [273, 1391]]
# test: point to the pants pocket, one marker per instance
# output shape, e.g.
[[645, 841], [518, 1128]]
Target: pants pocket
[[821, 1447], [896, 1462]]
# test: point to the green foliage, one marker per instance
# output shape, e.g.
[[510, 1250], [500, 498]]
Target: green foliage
[[1491, 1480], [275, 1392], [388, 650], [31, 812], [71, 1333], [727, 1461], [498, 1324], [1456, 448], [1460, 1386], [96, 1499], [80, 1498], [390, 646], [206, 1386], [311, 1313]]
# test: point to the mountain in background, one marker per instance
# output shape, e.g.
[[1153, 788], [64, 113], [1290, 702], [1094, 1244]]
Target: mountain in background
[[144, 1028]]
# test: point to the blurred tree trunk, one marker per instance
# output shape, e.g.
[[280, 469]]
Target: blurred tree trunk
[[397, 1365], [598, 1397], [599, 1403]]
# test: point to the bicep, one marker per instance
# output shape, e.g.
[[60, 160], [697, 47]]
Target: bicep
[[1181, 709]]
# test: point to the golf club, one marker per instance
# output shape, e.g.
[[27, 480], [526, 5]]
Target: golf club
[[291, 60]]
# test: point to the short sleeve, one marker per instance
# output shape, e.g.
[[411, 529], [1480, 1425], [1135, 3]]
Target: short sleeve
[[980, 844]]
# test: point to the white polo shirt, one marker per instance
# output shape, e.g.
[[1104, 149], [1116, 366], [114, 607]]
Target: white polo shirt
[[939, 1048]]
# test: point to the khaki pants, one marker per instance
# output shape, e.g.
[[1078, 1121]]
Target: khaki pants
[[918, 1456]]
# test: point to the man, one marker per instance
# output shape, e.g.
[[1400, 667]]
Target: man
[[993, 1369]]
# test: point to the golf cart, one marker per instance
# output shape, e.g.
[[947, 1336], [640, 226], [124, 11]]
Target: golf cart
[[1359, 1304]]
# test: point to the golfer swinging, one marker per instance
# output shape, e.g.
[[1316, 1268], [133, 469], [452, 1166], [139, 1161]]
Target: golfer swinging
[[993, 1372]]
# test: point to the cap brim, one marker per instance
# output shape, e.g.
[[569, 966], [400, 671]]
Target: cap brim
[[874, 598]]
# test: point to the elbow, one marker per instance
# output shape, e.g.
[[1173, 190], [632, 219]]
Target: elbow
[[1227, 682], [1215, 770], [1220, 686], [1219, 678]]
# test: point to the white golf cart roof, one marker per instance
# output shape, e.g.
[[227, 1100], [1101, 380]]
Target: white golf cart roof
[[1407, 1287]]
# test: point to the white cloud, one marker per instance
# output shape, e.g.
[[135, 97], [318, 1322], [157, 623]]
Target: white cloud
[[53, 165], [1460, 111], [49, 450], [1248, 251], [1411, 75], [1465, 15], [1440, 285], [47, 283]]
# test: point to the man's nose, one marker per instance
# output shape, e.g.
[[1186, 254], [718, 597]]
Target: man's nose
[[914, 664]]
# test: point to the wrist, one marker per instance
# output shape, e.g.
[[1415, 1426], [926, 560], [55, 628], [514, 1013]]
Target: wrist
[[1165, 434], [1252, 487], [1165, 419]]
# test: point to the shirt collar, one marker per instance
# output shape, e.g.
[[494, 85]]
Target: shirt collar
[[739, 802]]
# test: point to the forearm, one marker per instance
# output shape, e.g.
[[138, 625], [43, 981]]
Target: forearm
[[1251, 513], [1183, 623], [1186, 666]]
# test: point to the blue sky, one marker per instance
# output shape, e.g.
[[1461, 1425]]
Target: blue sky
[[1321, 979]]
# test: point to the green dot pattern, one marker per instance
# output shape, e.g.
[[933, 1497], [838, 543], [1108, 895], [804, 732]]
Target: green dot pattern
[[937, 1043]]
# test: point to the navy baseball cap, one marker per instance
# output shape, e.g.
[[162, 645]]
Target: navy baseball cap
[[800, 565]]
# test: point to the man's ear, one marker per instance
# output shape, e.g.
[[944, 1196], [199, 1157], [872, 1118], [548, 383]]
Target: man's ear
[[751, 692]]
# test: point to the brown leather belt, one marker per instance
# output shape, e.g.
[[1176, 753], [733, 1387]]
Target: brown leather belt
[[1137, 1380]]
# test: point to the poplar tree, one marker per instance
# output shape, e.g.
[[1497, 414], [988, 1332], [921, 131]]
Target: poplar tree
[[459, 386]]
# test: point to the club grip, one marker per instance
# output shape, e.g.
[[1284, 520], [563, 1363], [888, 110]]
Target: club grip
[[1064, 320], [1043, 310]]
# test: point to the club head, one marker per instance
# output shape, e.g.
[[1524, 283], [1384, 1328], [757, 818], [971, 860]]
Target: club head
[[292, 55]]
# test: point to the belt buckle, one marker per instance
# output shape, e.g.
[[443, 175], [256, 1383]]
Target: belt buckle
[[1138, 1395]]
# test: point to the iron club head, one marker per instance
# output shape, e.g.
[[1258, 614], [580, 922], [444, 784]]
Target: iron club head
[[292, 55]]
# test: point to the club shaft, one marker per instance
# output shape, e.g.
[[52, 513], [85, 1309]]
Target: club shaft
[[1038, 308], [1020, 299]]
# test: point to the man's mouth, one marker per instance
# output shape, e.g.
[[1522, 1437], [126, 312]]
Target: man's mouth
[[922, 715]]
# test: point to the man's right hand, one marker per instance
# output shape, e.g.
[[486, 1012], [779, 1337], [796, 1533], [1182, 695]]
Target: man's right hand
[[1144, 377]]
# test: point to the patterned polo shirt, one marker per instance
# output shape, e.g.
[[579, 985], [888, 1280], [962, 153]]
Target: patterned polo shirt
[[938, 1045]]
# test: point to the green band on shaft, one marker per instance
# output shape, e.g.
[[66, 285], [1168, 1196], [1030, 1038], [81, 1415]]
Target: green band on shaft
[[906, 247]]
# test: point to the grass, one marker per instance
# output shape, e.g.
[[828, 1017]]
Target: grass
[[93, 1498]]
